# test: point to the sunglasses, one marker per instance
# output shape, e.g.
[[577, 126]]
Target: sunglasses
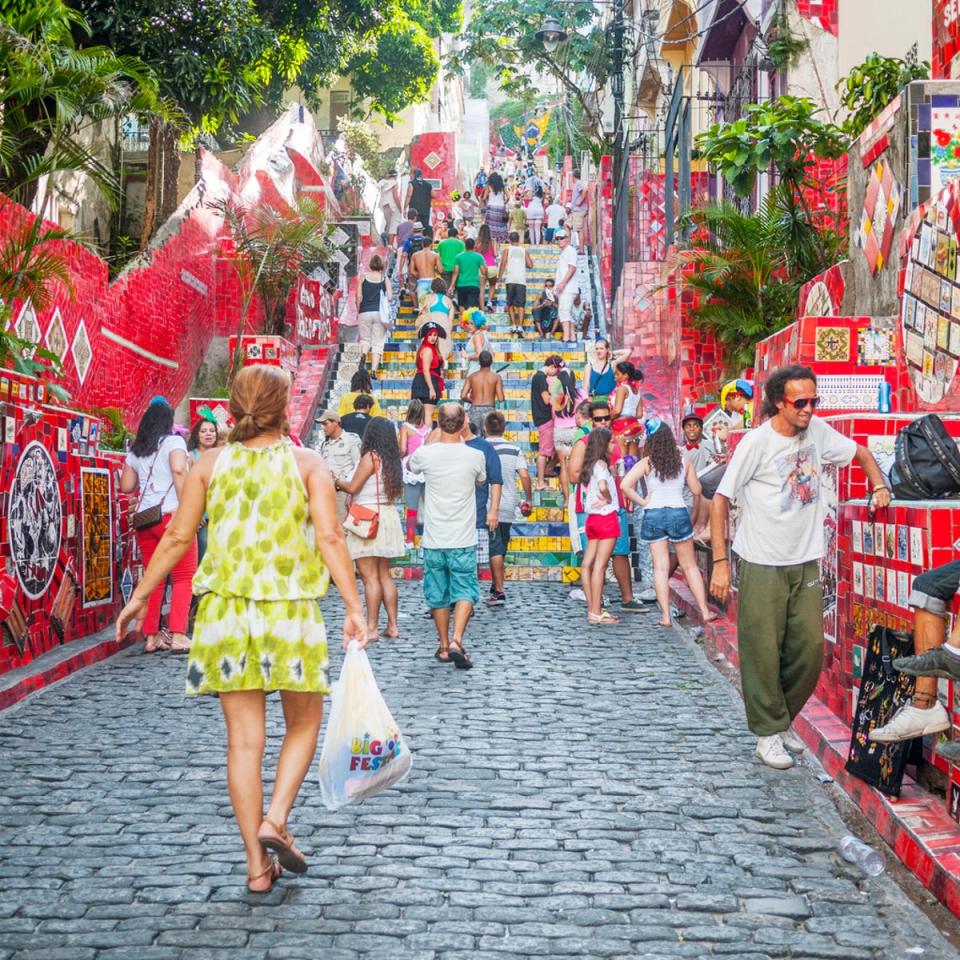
[[601, 419], [802, 402]]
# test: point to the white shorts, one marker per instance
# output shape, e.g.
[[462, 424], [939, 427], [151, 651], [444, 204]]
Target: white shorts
[[565, 305]]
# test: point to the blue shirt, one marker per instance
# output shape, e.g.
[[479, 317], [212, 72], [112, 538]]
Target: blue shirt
[[494, 475]]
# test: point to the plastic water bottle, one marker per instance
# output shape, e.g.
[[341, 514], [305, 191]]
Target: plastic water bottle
[[870, 861], [883, 397]]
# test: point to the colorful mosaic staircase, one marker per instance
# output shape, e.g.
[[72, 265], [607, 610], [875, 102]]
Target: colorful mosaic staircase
[[540, 545]]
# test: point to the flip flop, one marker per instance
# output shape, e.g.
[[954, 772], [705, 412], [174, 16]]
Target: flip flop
[[459, 657], [282, 845], [605, 619]]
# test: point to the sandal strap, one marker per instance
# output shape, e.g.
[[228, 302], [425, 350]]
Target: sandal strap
[[273, 866], [281, 829]]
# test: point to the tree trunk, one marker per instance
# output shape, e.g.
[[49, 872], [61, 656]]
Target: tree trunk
[[154, 172], [169, 146]]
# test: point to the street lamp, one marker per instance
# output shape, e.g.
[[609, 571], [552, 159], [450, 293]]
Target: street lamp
[[551, 34]]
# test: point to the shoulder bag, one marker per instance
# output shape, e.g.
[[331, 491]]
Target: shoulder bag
[[144, 519], [362, 521]]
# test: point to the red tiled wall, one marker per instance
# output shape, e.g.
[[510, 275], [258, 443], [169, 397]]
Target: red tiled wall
[[436, 155], [823, 12], [946, 39]]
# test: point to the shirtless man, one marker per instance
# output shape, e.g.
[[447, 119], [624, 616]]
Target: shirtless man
[[481, 390], [424, 267]]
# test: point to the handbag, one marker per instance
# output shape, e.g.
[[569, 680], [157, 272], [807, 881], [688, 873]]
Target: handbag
[[883, 691], [144, 519], [361, 521], [385, 317]]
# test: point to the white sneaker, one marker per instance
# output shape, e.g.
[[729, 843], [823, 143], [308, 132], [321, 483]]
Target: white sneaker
[[647, 596], [910, 722], [791, 741], [770, 751]]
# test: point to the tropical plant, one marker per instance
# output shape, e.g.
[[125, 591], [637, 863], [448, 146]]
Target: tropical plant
[[748, 268], [869, 87], [271, 249], [362, 142], [51, 90], [502, 35], [783, 45], [32, 265], [114, 435], [782, 134]]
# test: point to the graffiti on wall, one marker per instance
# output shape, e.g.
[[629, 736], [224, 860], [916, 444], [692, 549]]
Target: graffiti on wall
[[96, 523]]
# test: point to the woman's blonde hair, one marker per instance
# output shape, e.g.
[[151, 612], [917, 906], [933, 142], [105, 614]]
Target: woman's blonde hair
[[258, 402]]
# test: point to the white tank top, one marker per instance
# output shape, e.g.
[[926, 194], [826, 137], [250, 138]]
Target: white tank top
[[631, 402], [666, 493], [516, 271]]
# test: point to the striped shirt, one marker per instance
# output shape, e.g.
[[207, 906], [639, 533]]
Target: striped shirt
[[512, 461]]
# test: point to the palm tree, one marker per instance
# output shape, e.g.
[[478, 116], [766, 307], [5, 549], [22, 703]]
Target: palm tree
[[50, 90], [748, 269]]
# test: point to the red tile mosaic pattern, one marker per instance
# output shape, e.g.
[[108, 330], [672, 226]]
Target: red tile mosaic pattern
[[823, 295], [826, 13], [946, 40], [436, 155]]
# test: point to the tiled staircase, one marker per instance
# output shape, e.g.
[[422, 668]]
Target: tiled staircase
[[540, 544]]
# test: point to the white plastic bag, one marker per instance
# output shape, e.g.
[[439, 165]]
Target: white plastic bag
[[363, 749]]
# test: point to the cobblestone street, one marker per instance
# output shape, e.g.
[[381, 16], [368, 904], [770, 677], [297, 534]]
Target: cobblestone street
[[582, 792]]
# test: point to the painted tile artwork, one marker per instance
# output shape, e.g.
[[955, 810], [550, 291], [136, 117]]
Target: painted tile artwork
[[881, 208], [944, 147], [96, 524], [929, 321], [833, 345]]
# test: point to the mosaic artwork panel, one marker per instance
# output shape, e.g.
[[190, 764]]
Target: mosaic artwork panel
[[877, 346], [881, 208], [832, 345], [930, 306], [96, 525], [946, 39], [855, 392], [944, 147], [823, 295]]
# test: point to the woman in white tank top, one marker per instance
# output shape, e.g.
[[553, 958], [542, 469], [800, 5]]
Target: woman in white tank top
[[666, 519], [626, 406]]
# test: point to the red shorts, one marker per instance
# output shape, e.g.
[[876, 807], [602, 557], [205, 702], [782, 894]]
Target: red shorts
[[603, 526]]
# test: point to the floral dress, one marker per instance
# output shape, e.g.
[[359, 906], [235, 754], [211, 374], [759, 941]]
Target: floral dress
[[258, 624]]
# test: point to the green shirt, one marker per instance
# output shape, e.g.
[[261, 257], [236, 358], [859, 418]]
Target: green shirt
[[448, 250], [470, 264]]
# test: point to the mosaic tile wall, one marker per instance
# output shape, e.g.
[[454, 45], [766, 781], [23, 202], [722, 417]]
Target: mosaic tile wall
[[934, 129], [436, 155], [946, 39], [825, 13], [67, 552], [147, 332]]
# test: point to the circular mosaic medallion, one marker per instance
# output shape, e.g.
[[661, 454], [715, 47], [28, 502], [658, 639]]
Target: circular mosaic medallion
[[35, 515]]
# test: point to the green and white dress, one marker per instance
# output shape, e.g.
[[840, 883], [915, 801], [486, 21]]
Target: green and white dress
[[258, 624]]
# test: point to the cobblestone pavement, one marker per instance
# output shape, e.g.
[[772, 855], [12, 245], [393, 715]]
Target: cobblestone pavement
[[581, 793]]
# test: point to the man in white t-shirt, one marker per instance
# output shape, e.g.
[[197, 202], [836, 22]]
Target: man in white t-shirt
[[775, 475], [452, 471], [554, 214], [565, 274]]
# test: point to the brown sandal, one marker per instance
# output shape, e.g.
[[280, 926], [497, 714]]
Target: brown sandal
[[282, 845], [443, 655], [459, 657], [274, 869]]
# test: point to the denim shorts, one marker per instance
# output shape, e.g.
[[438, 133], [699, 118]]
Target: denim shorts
[[666, 523], [622, 547], [934, 589], [450, 575]]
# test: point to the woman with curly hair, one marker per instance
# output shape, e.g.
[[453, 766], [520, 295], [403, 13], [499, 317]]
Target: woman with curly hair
[[666, 519], [626, 406], [602, 505], [377, 483]]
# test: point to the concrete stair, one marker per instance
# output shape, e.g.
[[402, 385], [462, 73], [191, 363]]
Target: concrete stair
[[540, 544]]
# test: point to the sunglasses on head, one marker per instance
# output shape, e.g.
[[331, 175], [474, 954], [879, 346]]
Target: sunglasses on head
[[802, 402]]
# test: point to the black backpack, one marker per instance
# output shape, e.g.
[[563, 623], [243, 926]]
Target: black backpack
[[927, 462]]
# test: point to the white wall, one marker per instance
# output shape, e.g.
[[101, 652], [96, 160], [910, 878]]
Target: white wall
[[887, 27]]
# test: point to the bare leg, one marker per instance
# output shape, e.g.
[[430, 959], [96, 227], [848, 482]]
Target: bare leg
[[461, 617], [598, 571], [372, 593], [586, 580], [388, 590], [244, 714], [497, 571], [688, 561], [541, 470], [661, 579], [568, 334], [929, 631], [302, 713], [428, 409], [624, 575], [441, 618]]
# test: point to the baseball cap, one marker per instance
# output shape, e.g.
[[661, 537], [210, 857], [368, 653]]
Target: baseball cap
[[560, 235], [692, 416], [327, 415]]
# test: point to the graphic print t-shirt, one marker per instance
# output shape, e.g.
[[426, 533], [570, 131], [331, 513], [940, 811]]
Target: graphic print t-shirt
[[777, 482]]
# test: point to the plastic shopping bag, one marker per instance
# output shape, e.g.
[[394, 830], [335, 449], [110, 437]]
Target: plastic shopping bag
[[363, 749]]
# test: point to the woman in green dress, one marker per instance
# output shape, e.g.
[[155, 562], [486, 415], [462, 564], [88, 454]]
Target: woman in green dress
[[273, 544]]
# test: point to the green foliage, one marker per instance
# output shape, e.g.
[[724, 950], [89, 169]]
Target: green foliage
[[783, 45], [114, 436], [50, 89], [270, 246], [477, 81], [437, 16], [399, 69], [869, 87], [502, 35], [781, 134], [362, 142], [748, 268]]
